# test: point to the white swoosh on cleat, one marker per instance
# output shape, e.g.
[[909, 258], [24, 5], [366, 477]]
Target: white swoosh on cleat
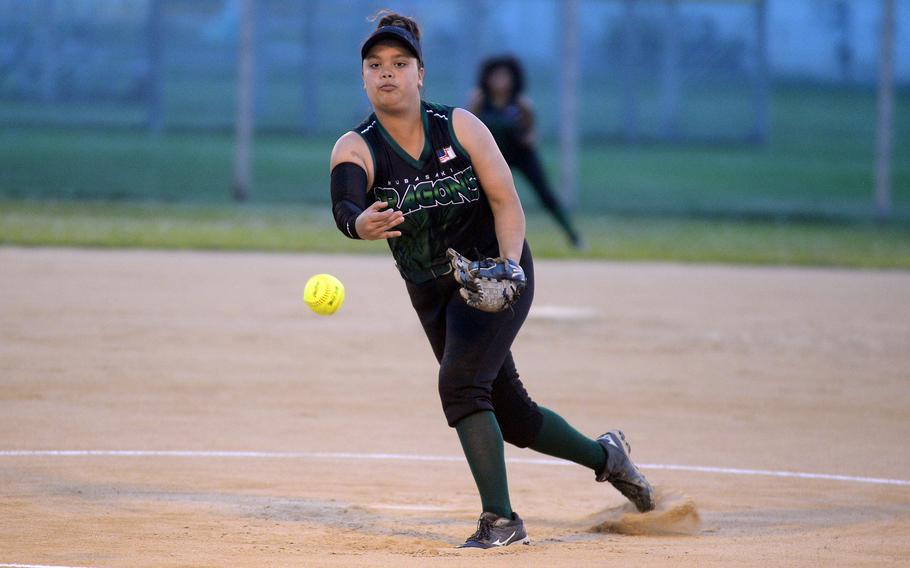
[[498, 542]]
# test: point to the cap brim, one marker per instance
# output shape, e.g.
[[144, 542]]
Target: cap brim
[[393, 33]]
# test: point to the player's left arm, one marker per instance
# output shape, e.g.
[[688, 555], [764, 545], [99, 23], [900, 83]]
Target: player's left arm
[[496, 178]]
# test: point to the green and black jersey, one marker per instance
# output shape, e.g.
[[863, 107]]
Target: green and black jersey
[[442, 200]]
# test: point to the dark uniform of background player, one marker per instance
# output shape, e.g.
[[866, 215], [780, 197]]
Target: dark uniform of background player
[[428, 177], [499, 101]]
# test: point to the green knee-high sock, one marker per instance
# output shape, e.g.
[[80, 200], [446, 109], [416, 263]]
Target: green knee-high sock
[[557, 438], [481, 440]]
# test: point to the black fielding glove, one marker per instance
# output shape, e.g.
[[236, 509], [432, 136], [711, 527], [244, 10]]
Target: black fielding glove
[[490, 285]]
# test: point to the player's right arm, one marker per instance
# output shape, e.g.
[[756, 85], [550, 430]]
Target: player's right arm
[[352, 175]]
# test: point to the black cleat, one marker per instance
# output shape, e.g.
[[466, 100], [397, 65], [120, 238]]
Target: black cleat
[[578, 243], [622, 473], [493, 530]]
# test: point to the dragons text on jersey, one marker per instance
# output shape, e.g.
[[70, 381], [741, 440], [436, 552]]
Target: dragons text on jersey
[[442, 199], [441, 189]]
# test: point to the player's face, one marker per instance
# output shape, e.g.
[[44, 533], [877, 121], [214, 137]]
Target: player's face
[[500, 81], [392, 77]]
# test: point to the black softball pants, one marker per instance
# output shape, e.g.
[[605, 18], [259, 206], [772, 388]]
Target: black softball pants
[[476, 369]]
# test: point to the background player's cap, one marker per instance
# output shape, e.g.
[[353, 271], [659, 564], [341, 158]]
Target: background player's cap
[[396, 33]]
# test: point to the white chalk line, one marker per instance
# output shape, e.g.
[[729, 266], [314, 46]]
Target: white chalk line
[[425, 458], [37, 566]]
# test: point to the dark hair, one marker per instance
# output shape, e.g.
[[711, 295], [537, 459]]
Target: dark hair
[[390, 18], [508, 62]]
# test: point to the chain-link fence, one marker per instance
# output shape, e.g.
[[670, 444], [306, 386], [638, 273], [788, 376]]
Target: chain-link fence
[[704, 72], [649, 69]]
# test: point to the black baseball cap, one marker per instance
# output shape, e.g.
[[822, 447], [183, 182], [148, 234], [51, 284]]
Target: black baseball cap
[[396, 33]]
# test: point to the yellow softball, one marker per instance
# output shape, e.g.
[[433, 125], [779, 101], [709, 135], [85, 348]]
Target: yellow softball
[[324, 294]]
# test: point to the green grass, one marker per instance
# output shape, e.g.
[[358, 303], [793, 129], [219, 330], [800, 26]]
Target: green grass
[[818, 164], [311, 229], [803, 199]]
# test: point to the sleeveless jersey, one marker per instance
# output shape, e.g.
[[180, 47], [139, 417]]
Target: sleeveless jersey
[[442, 200]]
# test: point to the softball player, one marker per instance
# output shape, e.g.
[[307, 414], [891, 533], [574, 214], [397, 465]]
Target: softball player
[[428, 178], [500, 103]]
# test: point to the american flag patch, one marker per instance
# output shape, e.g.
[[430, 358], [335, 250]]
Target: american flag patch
[[445, 154]]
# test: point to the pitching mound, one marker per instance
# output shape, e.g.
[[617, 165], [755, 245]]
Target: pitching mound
[[675, 514]]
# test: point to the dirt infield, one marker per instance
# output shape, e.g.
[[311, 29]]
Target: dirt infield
[[779, 370]]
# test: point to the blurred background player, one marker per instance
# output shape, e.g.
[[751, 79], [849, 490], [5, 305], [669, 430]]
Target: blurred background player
[[426, 178], [500, 103]]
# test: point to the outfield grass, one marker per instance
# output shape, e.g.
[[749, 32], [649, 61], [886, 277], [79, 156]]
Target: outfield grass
[[804, 199], [818, 164], [311, 229]]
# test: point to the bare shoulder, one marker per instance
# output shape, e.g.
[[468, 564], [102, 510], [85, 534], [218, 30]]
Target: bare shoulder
[[473, 135], [467, 126], [351, 147]]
